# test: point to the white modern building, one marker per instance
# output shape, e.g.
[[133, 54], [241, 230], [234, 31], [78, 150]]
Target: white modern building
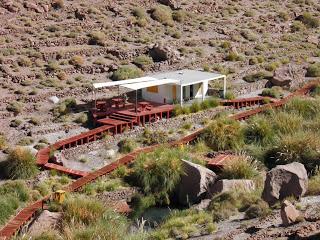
[[170, 87]]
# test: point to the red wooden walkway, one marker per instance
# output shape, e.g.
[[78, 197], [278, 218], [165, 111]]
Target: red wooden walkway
[[14, 225]]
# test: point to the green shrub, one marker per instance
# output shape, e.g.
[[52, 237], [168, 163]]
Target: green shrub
[[158, 172], [57, 4], [126, 72], [24, 61], [77, 61], [25, 141], [8, 205], [259, 131], [184, 224], [224, 134], [232, 56], [143, 60], [229, 95], [139, 13], [82, 118], [195, 107], [65, 107], [3, 142], [82, 209], [21, 164], [297, 147], [15, 107], [313, 70], [154, 137], [162, 14], [310, 21], [284, 122], [53, 66], [314, 183], [179, 16], [241, 167], [97, 38], [259, 209], [271, 92], [127, 145], [306, 108], [256, 77]]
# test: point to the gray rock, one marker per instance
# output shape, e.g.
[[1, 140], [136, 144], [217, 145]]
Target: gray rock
[[289, 214], [226, 185], [312, 213], [284, 181], [174, 4], [287, 75], [160, 52], [204, 204], [54, 99], [195, 183]]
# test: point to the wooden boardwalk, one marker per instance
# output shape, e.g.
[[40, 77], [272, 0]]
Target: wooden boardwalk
[[26, 214]]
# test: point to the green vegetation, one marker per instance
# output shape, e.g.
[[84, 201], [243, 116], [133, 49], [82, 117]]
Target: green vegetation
[[313, 70], [97, 38], [256, 77], [142, 61], [184, 224], [162, 14], [196, 106], [158, 172], [316, 91], [154, 137], [310, 21], [126, 72], [65, 107], [314, 183], [77, 61], [3, 142], [223, 134], [127, 145], [274, 92], [243, 167], [15, 107], [21, 164], [103, 185], [13, 194]]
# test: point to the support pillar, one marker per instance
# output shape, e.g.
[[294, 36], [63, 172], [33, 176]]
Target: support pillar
[[224, 86], [181, 95]]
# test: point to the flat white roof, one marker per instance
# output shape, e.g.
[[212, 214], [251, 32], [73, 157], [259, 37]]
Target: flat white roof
[[136, 86], [181, 77], [188, 77]]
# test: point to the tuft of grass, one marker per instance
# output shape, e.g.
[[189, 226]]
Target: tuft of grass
[[77, 61], [241, 167], [142, 61], [126, 72], [154, 137], [21, 164], [158, 172], [127, 145], [313, 70], [256, 77], [314, 183], [259, 131], [224, 134], [272, 92], [184, 224], [97, 38], [310, 21], [15, 107], [162, 14]]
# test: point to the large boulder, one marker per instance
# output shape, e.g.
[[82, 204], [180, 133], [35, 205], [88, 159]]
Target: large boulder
[[226, 185], [288, 75], [195, 183], [160, 52], [289, 214], [174, 4], [284, 181]]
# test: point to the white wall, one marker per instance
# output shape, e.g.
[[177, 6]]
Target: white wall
[[164, 91]]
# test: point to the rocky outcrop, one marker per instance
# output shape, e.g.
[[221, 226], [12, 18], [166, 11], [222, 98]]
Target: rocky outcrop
[[284, 181], [226, 185], [287, 75], [33, 7], [174, 4], [312, 213], [289, 214], [195, 183], [160, 52]]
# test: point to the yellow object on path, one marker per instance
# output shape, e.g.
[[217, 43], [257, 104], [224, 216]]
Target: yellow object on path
[[59, 196]]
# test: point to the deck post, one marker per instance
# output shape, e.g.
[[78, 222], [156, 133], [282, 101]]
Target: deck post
[[136, 100], [181, 95], [224, 86], [203, 93]]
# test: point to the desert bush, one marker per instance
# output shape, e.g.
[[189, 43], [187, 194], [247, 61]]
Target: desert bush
[[195, 107], [126, 72], [296, 147], [184, 224], [223, 205], [3, 142], [8, 205], [314, 183], [271, 92], [82, 209], [15, 107], [57, 4], [284, 122], [241, 167], [162, 14], [297, 26], [233, 57], [143, 60], [21, 164], [229, 95], [154, 137], [25, 141], [24, 61], [82, 118], [139, 12], [77, 61], [259, 131], [15, 123], [103, 185], [127, 145], [310, 21], [64, 107], [306, 108], [313, 70], [224, 134], [97, 38], [259, 209], [158, 172], [53, 66], [256, 77], [272, 66], [179, 16], [316, 91]]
